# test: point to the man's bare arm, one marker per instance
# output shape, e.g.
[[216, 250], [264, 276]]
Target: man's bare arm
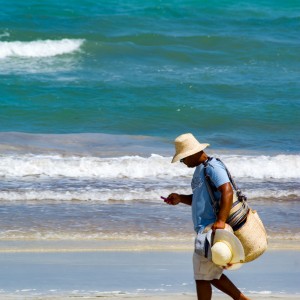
[[225, 205]]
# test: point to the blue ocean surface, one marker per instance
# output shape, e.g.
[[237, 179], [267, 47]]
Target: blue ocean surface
[[227, 71], [93, 93]]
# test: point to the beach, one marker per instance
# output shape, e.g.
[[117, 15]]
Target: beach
[[150, 297], [135, 274], [92, 96]]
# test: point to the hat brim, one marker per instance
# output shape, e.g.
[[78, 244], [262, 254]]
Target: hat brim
[[181, 155], [238, 253]]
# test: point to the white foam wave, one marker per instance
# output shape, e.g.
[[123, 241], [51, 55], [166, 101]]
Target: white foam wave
[[125, 194], [262, 167], [259, 167], [39, 48], [272, 194], [101, 195], [123, 167]]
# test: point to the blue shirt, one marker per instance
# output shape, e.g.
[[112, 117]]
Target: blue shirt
[[202, 211]]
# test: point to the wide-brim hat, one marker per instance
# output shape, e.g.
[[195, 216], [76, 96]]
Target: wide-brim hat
[[186, 145], [229, 241]]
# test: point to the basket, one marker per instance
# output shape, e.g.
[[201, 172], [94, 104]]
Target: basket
[[253, 236]]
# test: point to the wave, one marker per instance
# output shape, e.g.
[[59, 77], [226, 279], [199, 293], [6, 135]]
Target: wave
[[39, 48], [264, 167], [41, 178], [4, 34], [128, 194], [158, 167]]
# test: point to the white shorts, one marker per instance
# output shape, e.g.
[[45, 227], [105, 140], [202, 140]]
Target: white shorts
[[205, 269]]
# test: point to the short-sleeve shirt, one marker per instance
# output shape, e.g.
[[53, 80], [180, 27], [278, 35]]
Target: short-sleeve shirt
[[202, 210]]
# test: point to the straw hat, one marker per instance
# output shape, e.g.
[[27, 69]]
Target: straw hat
[[226, 248], [186, 145]]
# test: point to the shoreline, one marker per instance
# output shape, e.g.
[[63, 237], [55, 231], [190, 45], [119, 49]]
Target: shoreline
[[52, 246], [216, 296]]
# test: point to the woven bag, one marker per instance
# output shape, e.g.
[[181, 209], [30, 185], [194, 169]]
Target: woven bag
[[246, 223], [253, 236]]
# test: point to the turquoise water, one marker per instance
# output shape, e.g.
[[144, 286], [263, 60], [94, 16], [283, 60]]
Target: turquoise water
[[227, 71]]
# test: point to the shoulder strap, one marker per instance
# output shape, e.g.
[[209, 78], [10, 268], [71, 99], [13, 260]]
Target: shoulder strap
[[210, 186], [239, 193]]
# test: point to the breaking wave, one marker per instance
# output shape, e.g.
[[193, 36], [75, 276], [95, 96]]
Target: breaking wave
[[156, 166], [39, 48]]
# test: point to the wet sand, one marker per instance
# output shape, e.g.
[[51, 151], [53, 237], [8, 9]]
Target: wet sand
[[58, 272], [148, 297]]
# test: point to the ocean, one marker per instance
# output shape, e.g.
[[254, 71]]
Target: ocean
[[93, 93]]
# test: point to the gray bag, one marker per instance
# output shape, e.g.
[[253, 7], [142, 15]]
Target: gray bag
[[203, 242]]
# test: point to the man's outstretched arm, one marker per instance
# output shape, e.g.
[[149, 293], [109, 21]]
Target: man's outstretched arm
[[174, 199]]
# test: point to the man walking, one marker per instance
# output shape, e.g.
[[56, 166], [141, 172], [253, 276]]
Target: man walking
[[190, 152]]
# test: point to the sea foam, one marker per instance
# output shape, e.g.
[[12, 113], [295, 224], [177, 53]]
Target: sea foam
[[39, 48], [154, 166], [124, 194], [56, 177]]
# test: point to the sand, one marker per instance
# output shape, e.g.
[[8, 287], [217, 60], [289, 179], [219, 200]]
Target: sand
[[126, 270], [148, 297]]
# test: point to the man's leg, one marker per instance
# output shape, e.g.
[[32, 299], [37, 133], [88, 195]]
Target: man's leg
[[225, 285], [203, 289]]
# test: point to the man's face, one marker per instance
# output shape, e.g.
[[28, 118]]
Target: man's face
[[192, 161]]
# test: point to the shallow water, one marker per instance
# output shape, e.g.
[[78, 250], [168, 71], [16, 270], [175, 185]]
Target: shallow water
[[62, 187], [153, 272]]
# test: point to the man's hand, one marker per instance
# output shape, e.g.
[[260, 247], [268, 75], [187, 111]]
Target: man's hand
[[219, 224], [227, 266], [173, 199]]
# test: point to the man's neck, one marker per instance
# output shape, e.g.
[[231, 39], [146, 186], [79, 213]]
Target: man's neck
[[203, 158]]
